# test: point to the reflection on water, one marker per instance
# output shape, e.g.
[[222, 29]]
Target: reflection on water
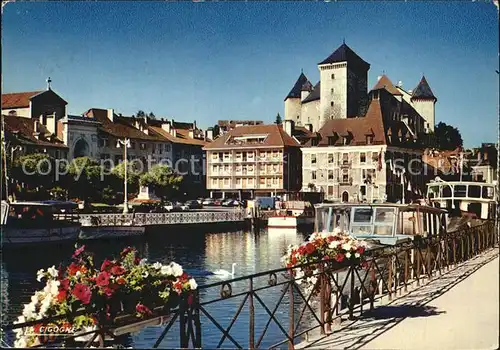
[[194, 250]]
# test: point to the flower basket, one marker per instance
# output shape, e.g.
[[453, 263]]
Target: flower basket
[[124, 294]]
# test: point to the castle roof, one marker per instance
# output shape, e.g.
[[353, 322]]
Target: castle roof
[[297, 88], [423, 91], [22, 99], [315, 93], [345, 54], [385, 83]]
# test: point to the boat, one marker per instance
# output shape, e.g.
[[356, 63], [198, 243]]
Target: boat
[[292, 214], [467, 199], [103, 232], [282, 222], [35, 222], [381, 224]]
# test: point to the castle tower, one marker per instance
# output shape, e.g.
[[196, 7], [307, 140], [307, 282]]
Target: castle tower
[[424, 101], [294, 97], [343, 77]]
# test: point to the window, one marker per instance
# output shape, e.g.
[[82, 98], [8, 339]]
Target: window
[[262, 181], [332, 90], [313, 175], [331, 104], [215, 156], [167, 147], [345, 140], [143, 146], [215, 169], [313, 159], [214, 182], [333, 76], [345, 176], [275, 180], [226, 182], [362, 190], [330, 158], [345, 158], [250, 182], [330, 174], [330, 191], [314, 142], [238, 181], [362, 157]]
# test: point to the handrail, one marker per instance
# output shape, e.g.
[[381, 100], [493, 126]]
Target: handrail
[[344, 289]]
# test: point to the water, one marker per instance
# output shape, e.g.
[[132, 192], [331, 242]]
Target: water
[[195, 251]]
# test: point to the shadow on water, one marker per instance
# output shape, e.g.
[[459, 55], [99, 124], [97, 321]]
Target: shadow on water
[[401, 311]]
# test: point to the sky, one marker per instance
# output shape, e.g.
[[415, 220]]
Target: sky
[[207, 61]]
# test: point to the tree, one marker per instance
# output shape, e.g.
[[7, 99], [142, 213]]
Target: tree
[[133, 175], [447, 137], [140, 114], [162, 180], [151, 115], [278, 119], [85, 176]]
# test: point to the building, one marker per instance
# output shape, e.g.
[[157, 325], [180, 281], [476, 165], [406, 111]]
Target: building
[[342, 93], [257, 160], [362, 158]]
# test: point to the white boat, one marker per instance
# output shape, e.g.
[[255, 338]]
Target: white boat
[[283, 221], [34, 222]]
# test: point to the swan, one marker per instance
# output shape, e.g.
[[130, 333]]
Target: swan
[[225, 273]]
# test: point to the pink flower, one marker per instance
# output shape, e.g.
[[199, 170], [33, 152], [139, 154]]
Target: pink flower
[[117, 270], [82, 293], [103, 279], [106, 264], [142, 309], [78, 251]]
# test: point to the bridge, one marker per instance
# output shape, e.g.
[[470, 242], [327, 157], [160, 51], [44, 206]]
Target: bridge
[[433, 292]]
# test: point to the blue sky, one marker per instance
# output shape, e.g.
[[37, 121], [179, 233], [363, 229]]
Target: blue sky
[[210, 61]]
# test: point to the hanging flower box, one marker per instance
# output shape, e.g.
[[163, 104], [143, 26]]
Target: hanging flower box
[[124, 294]]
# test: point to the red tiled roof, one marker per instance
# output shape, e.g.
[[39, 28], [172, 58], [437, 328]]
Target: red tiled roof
[[276, 137], [18, 99], [385, 83], [182, 136], [24, 127]]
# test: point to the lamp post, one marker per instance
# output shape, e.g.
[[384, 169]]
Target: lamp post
[[126, 144]]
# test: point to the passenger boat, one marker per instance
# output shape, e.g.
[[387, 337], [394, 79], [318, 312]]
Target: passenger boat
[[381, 223], [467, 197], [34, 222], [292, 214]]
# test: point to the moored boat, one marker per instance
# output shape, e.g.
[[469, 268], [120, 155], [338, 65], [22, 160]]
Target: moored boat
[[34, 222]]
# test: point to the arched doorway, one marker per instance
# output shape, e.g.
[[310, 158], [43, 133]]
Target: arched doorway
[[81, 149], [345, 197]]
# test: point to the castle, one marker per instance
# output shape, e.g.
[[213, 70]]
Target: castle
[[342, 93]]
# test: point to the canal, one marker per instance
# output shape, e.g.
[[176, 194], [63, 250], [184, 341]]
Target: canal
[[195, 250]]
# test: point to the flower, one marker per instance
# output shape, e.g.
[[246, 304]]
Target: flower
[[127, 250], [65, 284], [347, 255], [141, 309], [192, 284], [357, 255], [40, 274], [143, 262], [176, 269], [145, 274], [157, 265], [82, 292], [102, 279], [117, 270], [121, 280], [61, 296], [53, 272], [106, 264], [166, 270], [78, 251]]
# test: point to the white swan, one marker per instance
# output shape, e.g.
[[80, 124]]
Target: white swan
[[224, 273]]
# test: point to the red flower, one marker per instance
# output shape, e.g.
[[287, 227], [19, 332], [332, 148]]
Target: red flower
[[294, 260], [120, 280], [62, 295], [106, 264], [78, 251], [326, 257], [73, 269], [361, 250], [137, 260], [331, 238], [103, 279], [310, 248], [127, 250], [117, 270], [302, 250], [142, 309], [65, 284], [339, 257], [82, 293], [108, 291]]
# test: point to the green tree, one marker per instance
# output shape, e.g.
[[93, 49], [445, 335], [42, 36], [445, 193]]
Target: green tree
[[278, 119], [140, 114], [133, 175], [85, 176], [162, 180], [447, 137], [151, 115]]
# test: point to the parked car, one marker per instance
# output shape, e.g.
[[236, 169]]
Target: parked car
[[208, 201], [191, 205], [232, 203]]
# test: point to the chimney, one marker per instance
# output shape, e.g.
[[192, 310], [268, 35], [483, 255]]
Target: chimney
[[289, 126], [209, 134], [51, 123], [400, 84], [379, 77], [410, 92], [111, 114], [36, 129], [191, 134], [485, 156], [194, 125], [173, 132], [309, 127], [166, 126]]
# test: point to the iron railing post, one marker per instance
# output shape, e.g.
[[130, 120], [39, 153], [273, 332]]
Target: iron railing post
[[406, 271], [291, 325], [197, 321], [251, 333], [351, 294], [322, 298]]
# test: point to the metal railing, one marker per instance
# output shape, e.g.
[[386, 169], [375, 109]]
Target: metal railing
[[147, 219], [343, 290]]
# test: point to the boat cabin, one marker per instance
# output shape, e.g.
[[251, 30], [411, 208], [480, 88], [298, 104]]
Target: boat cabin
[[384, 222], [464, 196], [32, 213]]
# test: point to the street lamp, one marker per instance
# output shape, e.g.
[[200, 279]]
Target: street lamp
[[126, 143]]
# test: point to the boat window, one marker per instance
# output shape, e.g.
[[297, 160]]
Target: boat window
[[488, 192], [446, 191], [460, 191], [384, 215], [362, 229], [362, 215], [474, 191], [383, 230]]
